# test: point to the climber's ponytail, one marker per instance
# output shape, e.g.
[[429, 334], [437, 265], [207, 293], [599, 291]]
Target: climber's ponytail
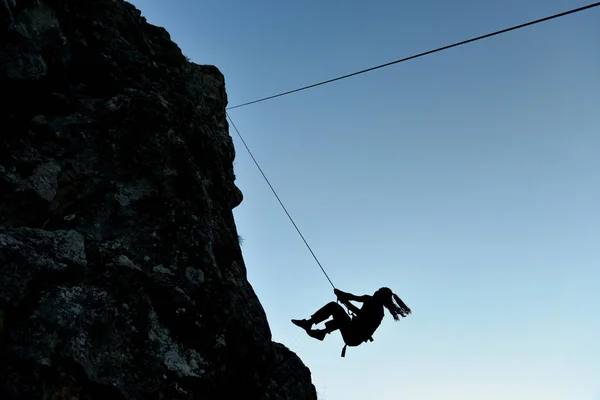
[[387, 298], [402, 308]]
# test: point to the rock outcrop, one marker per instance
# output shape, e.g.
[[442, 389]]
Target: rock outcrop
[[121, 275]]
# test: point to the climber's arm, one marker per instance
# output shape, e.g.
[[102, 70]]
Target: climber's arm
[[345, 297], [350, 306]]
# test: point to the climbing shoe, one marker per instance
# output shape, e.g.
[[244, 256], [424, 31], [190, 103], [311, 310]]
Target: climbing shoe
[[318, 334], [302, 323]]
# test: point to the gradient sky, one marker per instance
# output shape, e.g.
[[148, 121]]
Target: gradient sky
[[467, 181]]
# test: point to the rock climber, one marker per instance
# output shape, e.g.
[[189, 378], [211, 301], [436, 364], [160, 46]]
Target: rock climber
[[360, 328]]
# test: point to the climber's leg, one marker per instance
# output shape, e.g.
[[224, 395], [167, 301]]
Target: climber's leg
[[331, 310]]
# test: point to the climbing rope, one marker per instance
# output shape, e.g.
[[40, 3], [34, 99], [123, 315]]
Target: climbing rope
[[279, 200], [572, 11], [512, 28]]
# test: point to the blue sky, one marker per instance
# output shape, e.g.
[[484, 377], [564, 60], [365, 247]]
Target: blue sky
[[467, 181]]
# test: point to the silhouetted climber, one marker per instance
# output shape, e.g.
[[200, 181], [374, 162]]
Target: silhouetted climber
[[360, 328]]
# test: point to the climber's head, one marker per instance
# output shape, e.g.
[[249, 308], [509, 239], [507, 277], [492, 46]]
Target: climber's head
[[392, 302]]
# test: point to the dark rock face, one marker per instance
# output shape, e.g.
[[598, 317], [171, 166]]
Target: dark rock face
[[121, 274]]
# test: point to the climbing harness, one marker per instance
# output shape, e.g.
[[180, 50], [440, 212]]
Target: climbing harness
[[345, 345], [352, 314]]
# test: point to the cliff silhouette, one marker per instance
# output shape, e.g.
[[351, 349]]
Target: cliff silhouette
[[121, 274]]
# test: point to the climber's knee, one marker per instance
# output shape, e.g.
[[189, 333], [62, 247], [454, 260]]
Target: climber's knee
[[337, 311]]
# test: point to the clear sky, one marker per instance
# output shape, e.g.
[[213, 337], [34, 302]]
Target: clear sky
[[467, 181]]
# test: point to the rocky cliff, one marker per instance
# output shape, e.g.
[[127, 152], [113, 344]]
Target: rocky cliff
[[121, 275]]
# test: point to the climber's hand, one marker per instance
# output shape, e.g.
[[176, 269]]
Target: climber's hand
[[339, 294]]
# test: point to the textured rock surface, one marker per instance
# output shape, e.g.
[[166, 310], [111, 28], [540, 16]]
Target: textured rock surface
[[121, 274]]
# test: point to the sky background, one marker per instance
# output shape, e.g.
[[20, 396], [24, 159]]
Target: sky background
[[467, 181]]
